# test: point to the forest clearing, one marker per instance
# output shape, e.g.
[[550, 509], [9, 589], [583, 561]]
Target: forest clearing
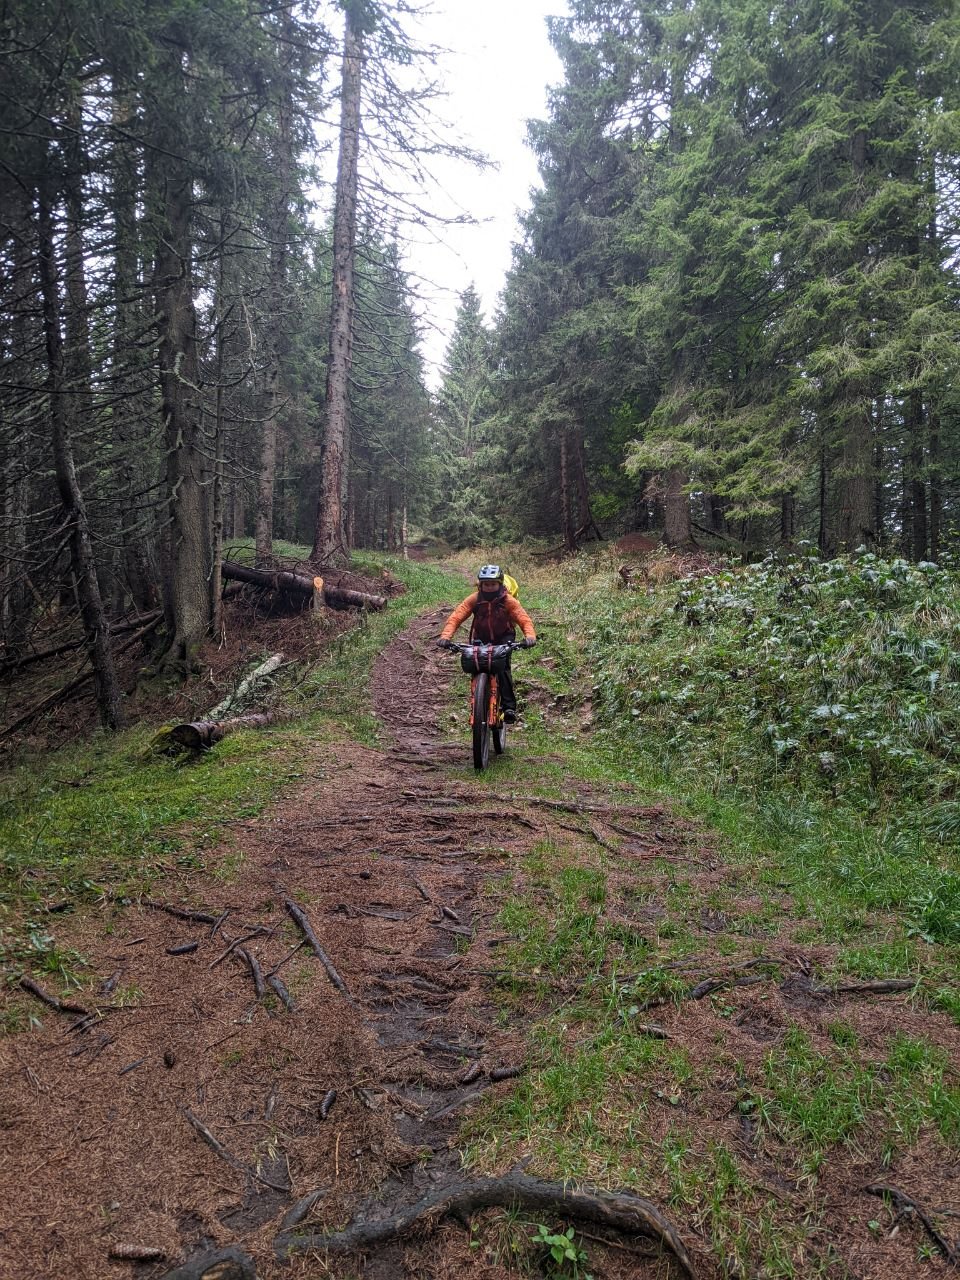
[[582, 967]]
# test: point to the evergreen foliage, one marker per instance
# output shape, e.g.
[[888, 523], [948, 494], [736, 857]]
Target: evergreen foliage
[[743, 254]]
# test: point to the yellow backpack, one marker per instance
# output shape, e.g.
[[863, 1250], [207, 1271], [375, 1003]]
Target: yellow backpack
[[513, 587]]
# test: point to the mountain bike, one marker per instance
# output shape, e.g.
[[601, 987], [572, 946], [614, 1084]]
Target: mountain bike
[[485, 663]]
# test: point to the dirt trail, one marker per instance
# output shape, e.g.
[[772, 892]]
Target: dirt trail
[[109, 1123], [106, 1123]]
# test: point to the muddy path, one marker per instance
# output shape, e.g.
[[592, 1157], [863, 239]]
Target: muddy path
[[185, 1114]]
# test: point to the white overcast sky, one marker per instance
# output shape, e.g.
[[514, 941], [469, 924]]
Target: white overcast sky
[[497, 73]]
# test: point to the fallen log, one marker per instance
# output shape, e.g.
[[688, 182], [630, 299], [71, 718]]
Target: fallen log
[[300, 584], [263, 669], [623, 1211], [201, 735]]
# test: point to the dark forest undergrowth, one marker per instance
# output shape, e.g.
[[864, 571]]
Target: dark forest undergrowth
[[743, 1006]]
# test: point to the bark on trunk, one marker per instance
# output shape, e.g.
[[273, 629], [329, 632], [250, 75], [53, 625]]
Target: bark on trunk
[[273, 395], [855, 525], [586, 525], [936, 498], [916, 536], [187, 596], [18, 450], [330, 539], [137, 531], [676, 511], [788, 518], [95, 624], [202, 734], [566, 507]]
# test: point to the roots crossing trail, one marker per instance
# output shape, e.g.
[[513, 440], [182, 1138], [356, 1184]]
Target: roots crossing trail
[[281, 1044], [224, 1090]]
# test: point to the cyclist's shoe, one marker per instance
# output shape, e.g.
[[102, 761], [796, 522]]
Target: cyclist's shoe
[[509, 715]]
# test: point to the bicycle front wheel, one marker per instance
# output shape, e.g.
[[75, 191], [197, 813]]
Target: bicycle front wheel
[[481, 730], [498, 730]]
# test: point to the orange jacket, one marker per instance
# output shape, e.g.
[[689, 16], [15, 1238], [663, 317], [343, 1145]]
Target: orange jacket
[[508, 612]]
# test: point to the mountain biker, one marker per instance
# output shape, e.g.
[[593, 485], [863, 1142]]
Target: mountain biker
[[496, 616]]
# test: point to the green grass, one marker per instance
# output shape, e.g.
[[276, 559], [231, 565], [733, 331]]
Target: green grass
[[107, 818], [805, 860], [340, 687]]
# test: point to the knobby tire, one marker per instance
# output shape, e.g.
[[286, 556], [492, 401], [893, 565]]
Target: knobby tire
[[499, 729], [481, 734]]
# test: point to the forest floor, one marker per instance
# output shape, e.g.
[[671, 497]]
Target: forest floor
[[503, 992]]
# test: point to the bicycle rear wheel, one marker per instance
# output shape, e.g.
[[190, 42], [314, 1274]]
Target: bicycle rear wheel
[[481, 734]]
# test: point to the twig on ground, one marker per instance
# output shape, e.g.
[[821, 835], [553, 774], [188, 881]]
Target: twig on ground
[[286, 998], [227, 1156], [256, 972], [61, 1006], [289, 956], [237, 942], [318, 951]]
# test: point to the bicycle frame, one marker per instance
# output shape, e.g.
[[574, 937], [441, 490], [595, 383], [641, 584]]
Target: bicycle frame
[[491, 723]]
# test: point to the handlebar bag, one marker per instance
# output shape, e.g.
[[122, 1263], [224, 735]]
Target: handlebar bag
[[491, 658]]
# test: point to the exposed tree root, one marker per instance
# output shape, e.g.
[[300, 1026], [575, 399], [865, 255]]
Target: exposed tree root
[[621, 1210], [903, 1205], [882, 987], [215, 1264]]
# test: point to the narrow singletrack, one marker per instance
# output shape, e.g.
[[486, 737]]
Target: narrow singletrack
[[188, 1115]]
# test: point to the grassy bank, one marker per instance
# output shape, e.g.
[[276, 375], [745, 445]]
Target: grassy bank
[[106, 818], [800, 722]]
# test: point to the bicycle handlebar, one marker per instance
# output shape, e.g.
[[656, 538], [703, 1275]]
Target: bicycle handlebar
[[507, 647]]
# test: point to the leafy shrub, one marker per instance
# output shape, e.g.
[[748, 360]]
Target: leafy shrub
[[844, 673]]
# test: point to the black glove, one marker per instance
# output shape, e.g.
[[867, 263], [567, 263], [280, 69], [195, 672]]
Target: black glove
[[443, 643], [528, 643]]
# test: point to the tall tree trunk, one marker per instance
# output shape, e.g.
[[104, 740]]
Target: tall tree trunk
[[18, 448], [936, 497], [716, 512], [855, 525], [137, 537], [585, 520], [186, 594], [788, 518], [566, 507], [276, 299], [824, 541], [676, 511], [95, 624], [915, 536], [329, 546], [220, 451]]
